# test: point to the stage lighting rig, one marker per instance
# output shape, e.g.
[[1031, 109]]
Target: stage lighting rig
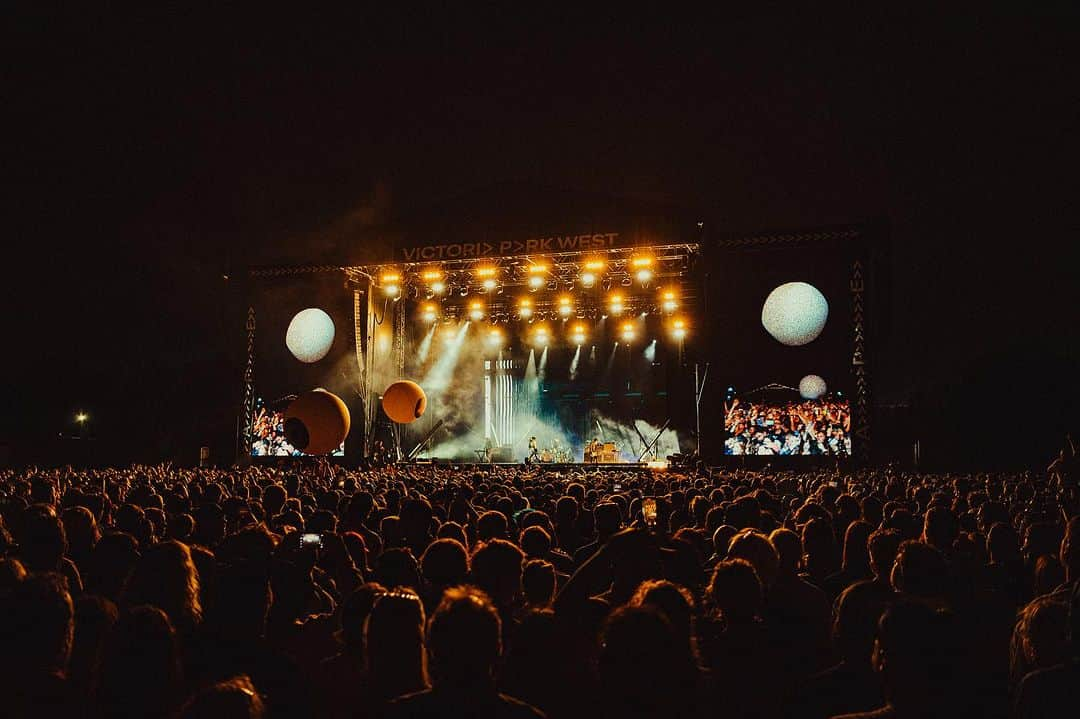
[[429, 312], [487, 276], [435, 280], [525, 308], [628, 333], [537, 275], [566, 306], [669, 300], [390, 281], [679, 329], [541, 335], [590, 270], [476, 311], [615, 303], [642, 267], [578, 334]]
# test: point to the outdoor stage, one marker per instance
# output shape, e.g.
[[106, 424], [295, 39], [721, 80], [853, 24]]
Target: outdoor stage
[[622, 327]]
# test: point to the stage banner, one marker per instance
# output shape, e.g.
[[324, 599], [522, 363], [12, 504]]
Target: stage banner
[[463, 245]]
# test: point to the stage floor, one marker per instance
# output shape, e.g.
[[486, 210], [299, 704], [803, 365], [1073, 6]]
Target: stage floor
[[555, 466]]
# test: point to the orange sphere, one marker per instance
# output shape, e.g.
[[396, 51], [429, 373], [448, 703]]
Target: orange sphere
[[404, 401], [317, 422]]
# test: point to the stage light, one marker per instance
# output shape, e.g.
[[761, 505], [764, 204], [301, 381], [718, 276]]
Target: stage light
[[615, 303], [476, 311], [590, 270], [494, 337], [487, 274], [390, 281], [566, 307], [669, 301], [628, 332], [429, 312], [540, 335], [679, 329], [578, 335], [642, 266], [81, 417], [537, 274], [435, 281], [525, 308]]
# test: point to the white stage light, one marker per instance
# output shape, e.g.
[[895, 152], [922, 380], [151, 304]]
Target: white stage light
[[310, 335]]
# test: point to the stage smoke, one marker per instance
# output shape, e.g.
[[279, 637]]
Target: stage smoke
[[440, 376], [628, 442], [592, 356], [425, 346]]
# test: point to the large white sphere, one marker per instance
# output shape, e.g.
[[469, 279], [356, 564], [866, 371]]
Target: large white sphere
[[795, 313], [310, 335], [811, 386]]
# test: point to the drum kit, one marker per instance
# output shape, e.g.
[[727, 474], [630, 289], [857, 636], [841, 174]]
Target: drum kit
[[555, 454]]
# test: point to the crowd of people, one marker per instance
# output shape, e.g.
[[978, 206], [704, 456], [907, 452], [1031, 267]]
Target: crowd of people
[[820, 427], [421, 591]]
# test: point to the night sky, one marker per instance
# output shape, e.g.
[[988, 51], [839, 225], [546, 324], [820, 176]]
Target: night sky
[[151, 154]]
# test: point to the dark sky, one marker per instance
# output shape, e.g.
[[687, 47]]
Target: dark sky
[[154, 151]]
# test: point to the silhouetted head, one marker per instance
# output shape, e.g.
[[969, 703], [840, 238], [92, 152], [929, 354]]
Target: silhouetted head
[[857, 612], [464, 638], [735, 590], [235, 698], [754, 547], [496, 569], [538, 583], [394, 643], [920, 571], [165, 577], [883, 546], [444, 563]]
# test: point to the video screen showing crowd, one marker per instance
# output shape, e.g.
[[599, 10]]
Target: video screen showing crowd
[[268, 437], [788, 368], [815, 427]]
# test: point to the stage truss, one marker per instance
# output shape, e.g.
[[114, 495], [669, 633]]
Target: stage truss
[[461, 284]]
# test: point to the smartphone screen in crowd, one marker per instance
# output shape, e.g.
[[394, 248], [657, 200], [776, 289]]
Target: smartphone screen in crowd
[[648, 511], [311, 540]]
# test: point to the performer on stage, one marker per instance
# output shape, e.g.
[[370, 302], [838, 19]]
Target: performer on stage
[[592, 450], [534, 451]]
